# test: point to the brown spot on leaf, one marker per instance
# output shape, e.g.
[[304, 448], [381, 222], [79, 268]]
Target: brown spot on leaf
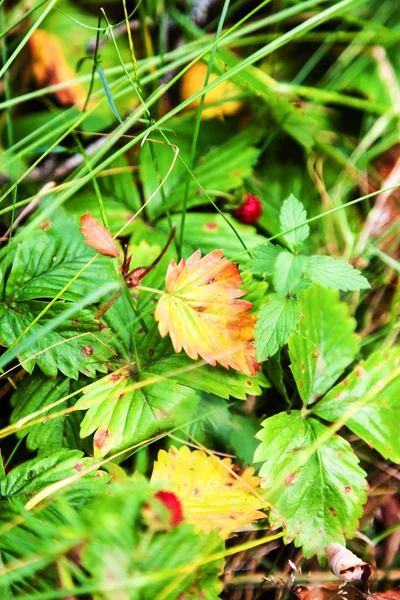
[[301, 384], [75, 321], [151, 351], [101, 326], [303, 367], [347, 489], [88, 350], [116, 377], [160, 414], [359, 371], [210, 226], [345, 381], [78, 467], [100, 437], [290, 479], [332, 511], [316, 353], [45, 225]]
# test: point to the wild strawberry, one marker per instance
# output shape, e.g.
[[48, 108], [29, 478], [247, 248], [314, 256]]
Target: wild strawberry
[[250, 210], [173, 504]]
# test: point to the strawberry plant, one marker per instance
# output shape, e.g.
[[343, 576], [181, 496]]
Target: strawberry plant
[[199, 298]]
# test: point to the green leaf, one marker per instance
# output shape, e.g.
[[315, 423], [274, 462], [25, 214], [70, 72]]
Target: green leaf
[[276, 321], [34, 393], [213, 380], [171, 551], [274, 181], [33, 475], [312, 479], [296, 123], [292, 215], [56, 350], [369, 401], [264, 258], [208, 231], [45, 261], [108, 92], [324, 345], [243, 429], [123, 415], [288, 273], [222, 168], [255, 289], [217, 425], [335, 274]]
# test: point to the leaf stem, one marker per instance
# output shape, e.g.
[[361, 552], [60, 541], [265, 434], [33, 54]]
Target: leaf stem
[[144, 288]]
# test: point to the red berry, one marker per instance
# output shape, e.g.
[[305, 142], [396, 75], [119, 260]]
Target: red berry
[[172, 502], [250, 210]]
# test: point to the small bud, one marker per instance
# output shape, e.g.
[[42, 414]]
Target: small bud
[[97, 236], [250, 210]]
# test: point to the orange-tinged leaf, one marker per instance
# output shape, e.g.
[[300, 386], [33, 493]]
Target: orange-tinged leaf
[[97, 236], [211, 496], [49, 66], [219, 101], [202, 313]]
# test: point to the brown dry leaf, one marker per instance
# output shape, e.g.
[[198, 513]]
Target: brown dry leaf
[[211, 496], [202, 314], [49, 67], [346, 565], [218, 100], [336, 591], [327, 591], [97, 236], [388, 595]]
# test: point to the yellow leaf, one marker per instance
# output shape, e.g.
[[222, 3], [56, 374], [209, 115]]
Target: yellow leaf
[[49, 66], [202, 315], [211, 496], [218, 100]]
